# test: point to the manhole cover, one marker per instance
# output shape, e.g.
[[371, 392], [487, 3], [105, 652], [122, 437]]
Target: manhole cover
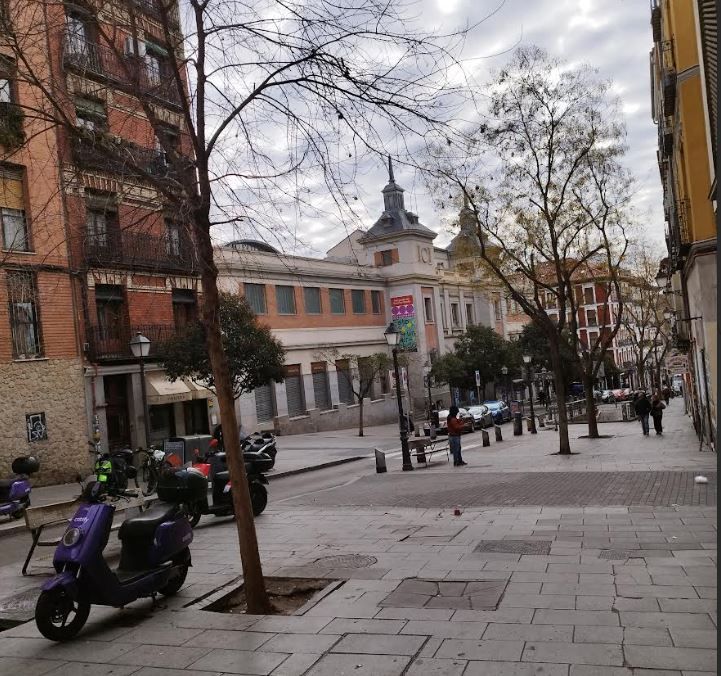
[[346, 561], [619, 554], [514, 546]]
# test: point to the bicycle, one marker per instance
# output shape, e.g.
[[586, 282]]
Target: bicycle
[[153, 465]]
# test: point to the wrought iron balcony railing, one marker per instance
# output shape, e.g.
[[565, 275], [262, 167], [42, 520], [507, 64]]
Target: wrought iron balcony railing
[[113, 342], [129, 72], [141, 250], [122, 157]]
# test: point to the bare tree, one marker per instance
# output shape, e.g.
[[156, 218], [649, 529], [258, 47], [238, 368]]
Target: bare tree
[[645, 326], [359, 375], [275, 100], [542, 177]]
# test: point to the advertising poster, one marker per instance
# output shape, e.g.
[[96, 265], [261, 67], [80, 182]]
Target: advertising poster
[[403, 312]]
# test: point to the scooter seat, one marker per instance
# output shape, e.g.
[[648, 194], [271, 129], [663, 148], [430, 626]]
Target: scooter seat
[[143, 527], [6, 483]]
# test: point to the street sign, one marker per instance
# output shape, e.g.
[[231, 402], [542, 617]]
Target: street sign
[[478, 378]]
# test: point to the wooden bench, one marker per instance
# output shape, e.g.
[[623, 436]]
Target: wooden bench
[[54, 514], [422, 448]]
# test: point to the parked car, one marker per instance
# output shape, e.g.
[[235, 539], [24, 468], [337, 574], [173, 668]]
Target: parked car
[[576, 389], [608, 397], [463, 415], [482, 416], [500, 411], [619, 394]]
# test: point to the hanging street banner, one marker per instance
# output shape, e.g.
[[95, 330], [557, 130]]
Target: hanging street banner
[[403, 312]]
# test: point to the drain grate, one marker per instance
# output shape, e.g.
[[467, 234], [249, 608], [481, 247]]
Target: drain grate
[[617, 554], [346, 561], [514, 546]]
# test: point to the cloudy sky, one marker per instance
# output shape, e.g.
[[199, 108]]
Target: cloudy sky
[[613, 36]]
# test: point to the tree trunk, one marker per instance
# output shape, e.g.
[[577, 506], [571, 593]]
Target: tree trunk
[[590, 406], [360, 416], [254, 585], [564, 445]]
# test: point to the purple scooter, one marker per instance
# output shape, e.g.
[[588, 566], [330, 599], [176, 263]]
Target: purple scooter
[[154, 557], [15, 491]]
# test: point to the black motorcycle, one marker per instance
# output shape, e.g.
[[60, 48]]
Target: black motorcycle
[[214, 467], [114, 468], [257, 442]]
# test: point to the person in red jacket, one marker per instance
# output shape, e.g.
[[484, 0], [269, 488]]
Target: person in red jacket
[[455, 429]]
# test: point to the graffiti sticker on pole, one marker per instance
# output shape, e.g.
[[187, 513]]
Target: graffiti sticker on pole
[[403, 312]]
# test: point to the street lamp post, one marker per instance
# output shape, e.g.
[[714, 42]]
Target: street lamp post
[[527, 361], [427, 374], [392, 336], [504, 372], [140, 347]]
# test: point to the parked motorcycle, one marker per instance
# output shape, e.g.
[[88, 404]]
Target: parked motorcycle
[[257, 441], [214, 467], [114, 468], [155, 462], [15, 490], [154, 557]]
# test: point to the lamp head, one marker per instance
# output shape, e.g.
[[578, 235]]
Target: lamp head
[[140, 345], [392, 335], [504, 370], [526, 358]]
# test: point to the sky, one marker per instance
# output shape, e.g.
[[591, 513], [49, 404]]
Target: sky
[[613, 36]]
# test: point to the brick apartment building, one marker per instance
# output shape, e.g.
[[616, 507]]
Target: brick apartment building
[[91, 255]]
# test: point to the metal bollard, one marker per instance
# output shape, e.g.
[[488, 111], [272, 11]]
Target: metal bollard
[[499, 435], [517, 425], [380, 462], [486, 438]]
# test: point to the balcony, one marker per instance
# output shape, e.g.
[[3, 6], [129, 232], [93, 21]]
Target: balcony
[[669, 93], [128, 72], [141, 250], [154, 10], [656, 24], [124, 158], [113, 343]]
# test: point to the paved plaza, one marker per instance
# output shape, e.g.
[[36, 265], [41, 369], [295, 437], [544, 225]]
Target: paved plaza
[[542, 583]]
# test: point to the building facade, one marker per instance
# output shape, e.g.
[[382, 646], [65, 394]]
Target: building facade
[[331, 313], [684, 87]]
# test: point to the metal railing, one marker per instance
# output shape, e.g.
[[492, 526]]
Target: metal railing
[[141, 250], [123, 158], [113, 342], [127, 71]]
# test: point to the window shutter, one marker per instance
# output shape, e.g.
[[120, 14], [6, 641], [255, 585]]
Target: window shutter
[[11, 189]]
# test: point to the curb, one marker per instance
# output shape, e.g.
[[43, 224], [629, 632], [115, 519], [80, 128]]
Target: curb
[[312, 468], [19, 527]]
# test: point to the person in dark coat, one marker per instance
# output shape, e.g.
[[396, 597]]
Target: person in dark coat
[[642, 407], [657, 407], [455, 429], [666, 394]]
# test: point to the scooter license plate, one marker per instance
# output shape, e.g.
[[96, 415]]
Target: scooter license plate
[[227, 488]]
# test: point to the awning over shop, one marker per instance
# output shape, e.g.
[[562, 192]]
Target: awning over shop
[[161, 391]]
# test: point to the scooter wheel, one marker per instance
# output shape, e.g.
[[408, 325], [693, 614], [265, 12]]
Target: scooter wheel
[[19, 514], [194, 515], [258, 497], [58, 617], [173, 587]]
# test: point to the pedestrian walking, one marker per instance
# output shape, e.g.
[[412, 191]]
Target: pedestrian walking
[[455, 429], [666, 394], [642, 407], [657, 407]]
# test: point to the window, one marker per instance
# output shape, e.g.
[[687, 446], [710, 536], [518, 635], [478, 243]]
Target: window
[[337, 301], [171, 138], [345, 381], [6, 82], [12, 209], [469, 314], [455, 317], [185, 308], [23, 309], [588, 297], [428, 309], [366, 377], [550, 300], [497, 310], [101, 222], [255, 295], [155, 60], [591, 317], [285, 300], [312, 300], [110, 310], [384, 258], [443, 313], [173, 244], [78, 38], [90, 115], [376, 302], [358, 299]]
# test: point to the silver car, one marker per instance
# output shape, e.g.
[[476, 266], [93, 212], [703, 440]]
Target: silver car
[[482, 416]]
